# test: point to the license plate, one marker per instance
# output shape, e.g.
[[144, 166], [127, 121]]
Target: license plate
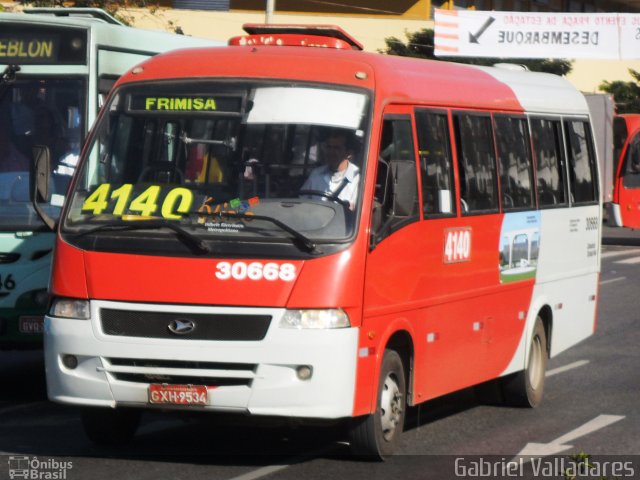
[[177, 394], [30, 324]]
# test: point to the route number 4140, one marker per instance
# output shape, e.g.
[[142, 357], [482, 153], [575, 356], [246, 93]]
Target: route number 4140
[[457, 245]]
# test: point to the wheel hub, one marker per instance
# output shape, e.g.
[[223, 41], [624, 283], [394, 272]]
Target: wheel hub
[[391, 407]]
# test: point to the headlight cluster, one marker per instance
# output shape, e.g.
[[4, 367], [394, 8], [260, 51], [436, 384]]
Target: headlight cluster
[[33, 299], [318, 319], [70, 308]]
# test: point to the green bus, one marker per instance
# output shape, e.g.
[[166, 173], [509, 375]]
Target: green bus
[[56, 68]]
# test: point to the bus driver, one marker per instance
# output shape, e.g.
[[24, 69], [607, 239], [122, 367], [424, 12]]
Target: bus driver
[[339, 177]]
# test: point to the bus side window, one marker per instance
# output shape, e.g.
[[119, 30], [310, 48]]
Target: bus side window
[[514, 155], [396, 194], [550, 164], [631, 172], [436, 169], [476, 163], [581, 162]]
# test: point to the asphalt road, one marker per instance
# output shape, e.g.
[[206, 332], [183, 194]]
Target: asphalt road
[[591, 405]]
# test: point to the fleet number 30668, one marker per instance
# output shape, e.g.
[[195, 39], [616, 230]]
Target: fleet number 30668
[[256, 271]]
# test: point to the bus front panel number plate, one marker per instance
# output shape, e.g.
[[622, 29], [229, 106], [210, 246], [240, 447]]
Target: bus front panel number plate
[[31, 324], [177, 394]]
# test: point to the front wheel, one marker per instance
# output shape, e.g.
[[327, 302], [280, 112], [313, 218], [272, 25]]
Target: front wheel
[[376, 436], [526, 388]]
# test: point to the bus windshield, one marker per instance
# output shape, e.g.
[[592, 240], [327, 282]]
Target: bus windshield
[[40, 111], [226, 162]]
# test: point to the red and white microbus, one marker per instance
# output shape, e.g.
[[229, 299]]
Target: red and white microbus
[[201, 263], [626, 187]]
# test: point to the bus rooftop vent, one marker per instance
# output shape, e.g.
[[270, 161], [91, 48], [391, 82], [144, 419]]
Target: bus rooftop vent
[[327, 36], [516, 67]]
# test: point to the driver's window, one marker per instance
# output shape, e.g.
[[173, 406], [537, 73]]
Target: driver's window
[[396, 193]]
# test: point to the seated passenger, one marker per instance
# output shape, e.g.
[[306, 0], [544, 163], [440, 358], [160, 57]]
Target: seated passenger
[[48, 130], [339, 177], [198, 169], [11, 159], [634, 164]]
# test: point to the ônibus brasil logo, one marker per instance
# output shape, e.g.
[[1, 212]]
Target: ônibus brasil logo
[[22, 466]]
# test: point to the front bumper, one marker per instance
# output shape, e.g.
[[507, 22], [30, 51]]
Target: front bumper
[[254, 377]]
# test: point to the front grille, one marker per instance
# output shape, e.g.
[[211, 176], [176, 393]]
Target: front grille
[[137, 362], [217, 374], [180, 380], [229, 327], [9, 257], [37, 255]]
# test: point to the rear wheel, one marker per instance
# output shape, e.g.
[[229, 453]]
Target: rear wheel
[[526, 388], [110, 426], [376, 436]]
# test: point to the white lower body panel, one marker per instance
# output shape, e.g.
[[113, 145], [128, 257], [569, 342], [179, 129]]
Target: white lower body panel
[[566, 279], [256, 377]]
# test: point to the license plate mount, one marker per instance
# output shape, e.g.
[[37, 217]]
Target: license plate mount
[[31, 324], [165, 394]]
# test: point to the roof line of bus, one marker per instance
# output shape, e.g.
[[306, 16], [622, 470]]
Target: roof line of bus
[[484, 87]]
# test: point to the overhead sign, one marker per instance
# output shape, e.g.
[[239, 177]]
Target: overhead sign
[[26, 49], [471, 33], [23, 44], [185, 103]]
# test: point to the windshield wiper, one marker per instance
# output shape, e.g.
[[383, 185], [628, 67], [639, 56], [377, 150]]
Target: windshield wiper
[[187, 237], [9, 74], [303, 241]]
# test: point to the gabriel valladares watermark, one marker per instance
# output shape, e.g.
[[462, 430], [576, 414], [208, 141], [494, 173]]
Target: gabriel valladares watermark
[[33, 468], [544, 468]]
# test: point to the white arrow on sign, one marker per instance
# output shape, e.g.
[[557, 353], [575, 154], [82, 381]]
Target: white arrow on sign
[[560, 444]]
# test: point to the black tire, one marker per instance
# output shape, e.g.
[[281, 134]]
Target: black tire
[[110, 426], [376, 436], [526, 388]]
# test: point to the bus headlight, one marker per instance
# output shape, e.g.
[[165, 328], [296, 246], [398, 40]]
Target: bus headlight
[[33, 299], [320, 319], [70, 308]]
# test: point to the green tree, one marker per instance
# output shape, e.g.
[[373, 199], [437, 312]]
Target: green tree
[[625, 94], [420, 44]]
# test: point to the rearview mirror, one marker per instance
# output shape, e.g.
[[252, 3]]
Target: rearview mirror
[[40, 176]]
